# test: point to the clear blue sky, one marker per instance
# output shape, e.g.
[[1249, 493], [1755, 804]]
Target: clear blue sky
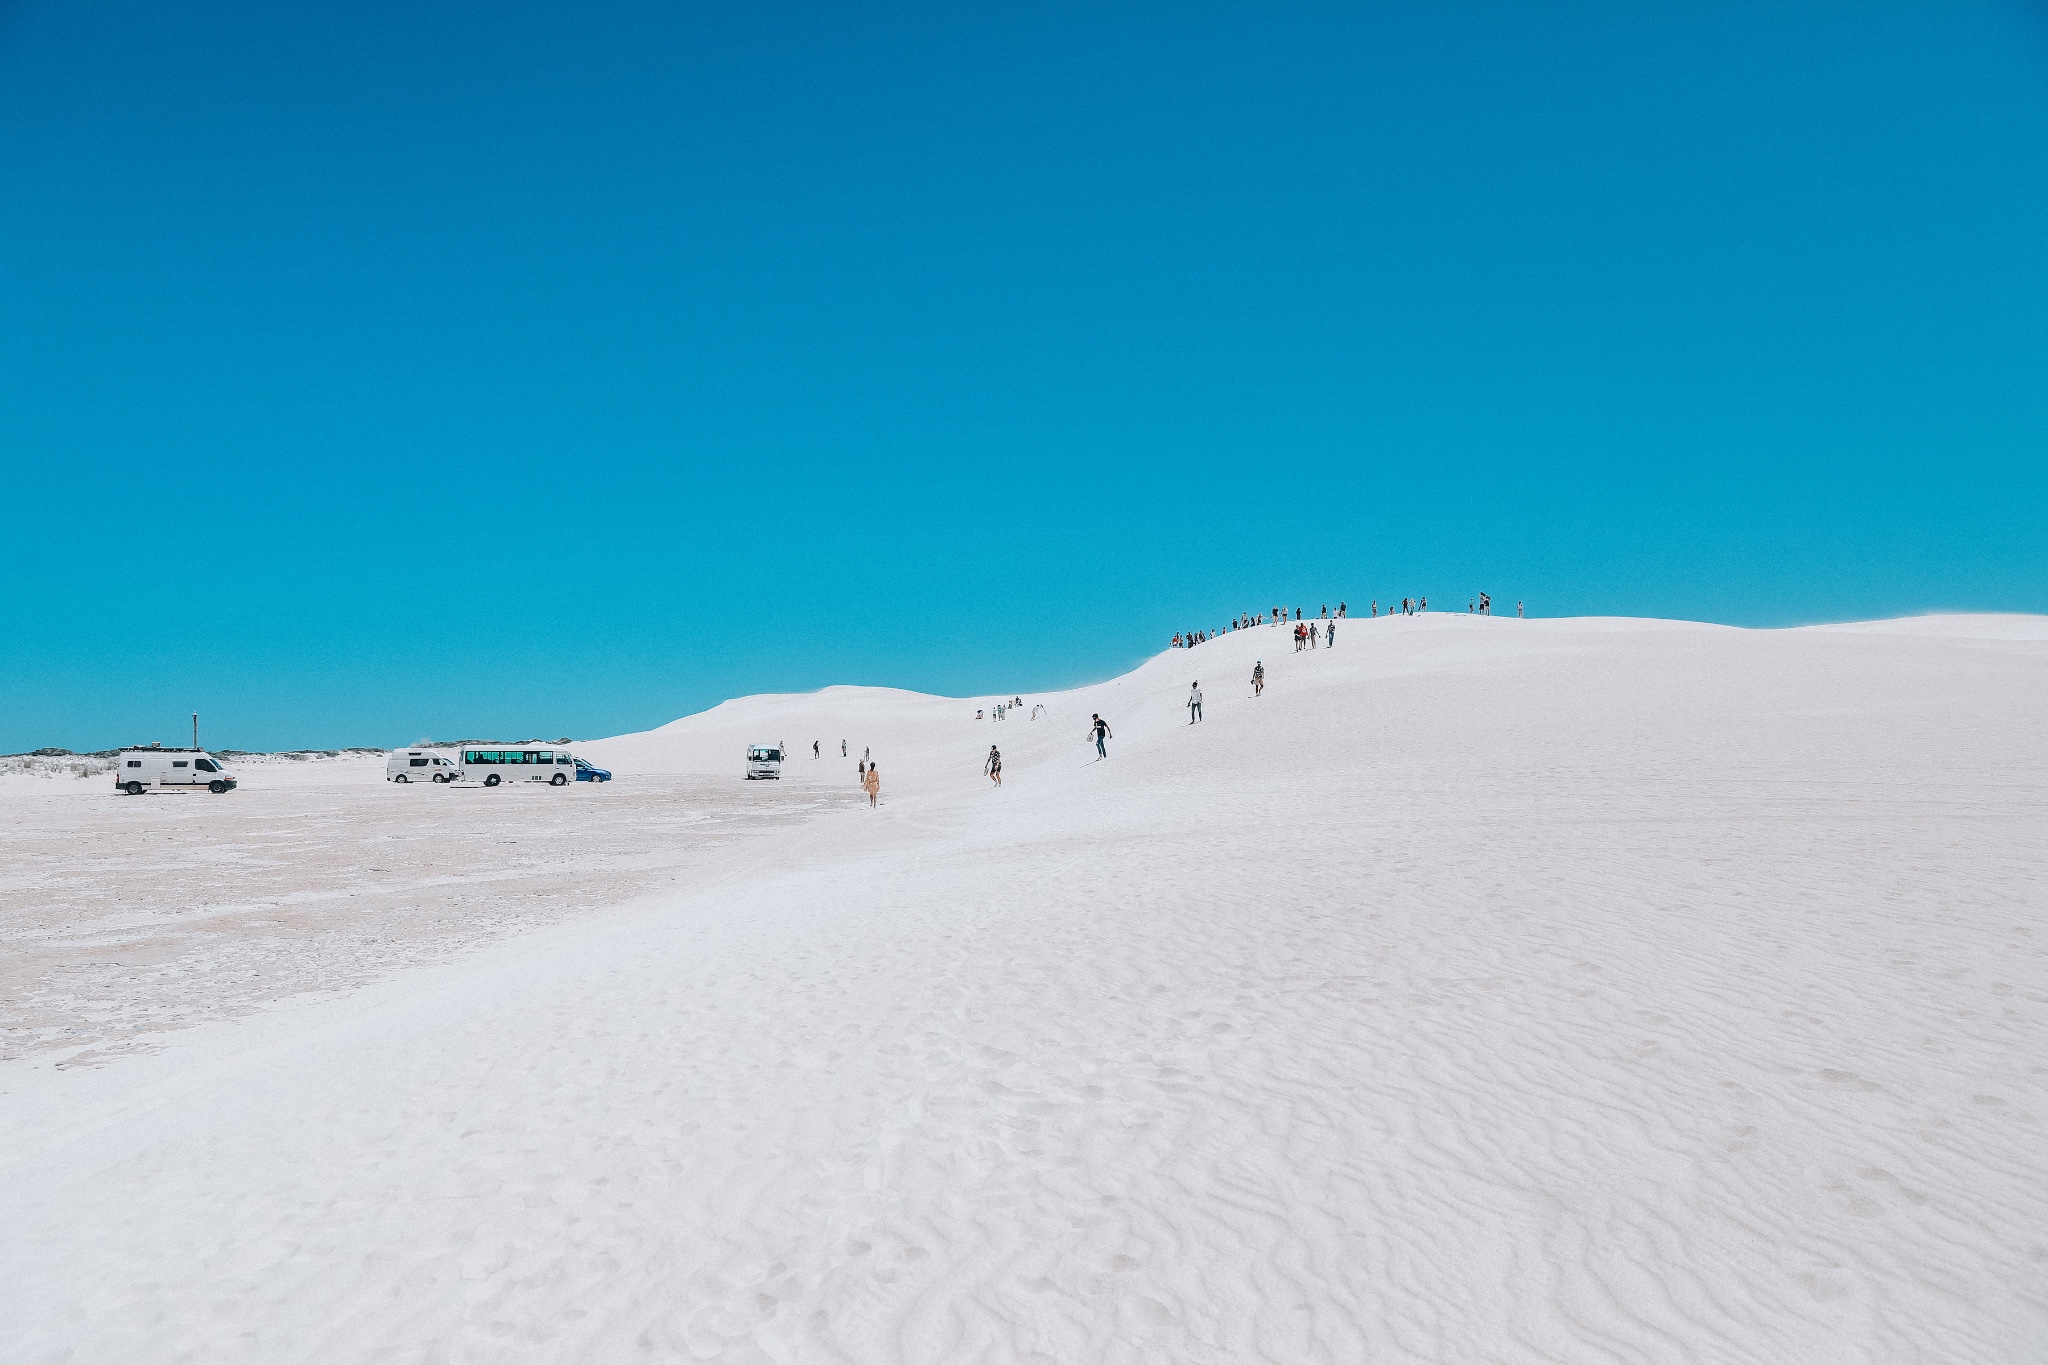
[[370, 371]]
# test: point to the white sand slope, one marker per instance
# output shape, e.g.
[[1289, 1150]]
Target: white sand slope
[[1488, 991]]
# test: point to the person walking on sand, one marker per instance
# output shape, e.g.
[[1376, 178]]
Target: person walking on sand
[[842, 748], [1259, 678], [871, 783], [816, 752], [1195, 703], [1312, 635], [1100, 730], [1330, 634], [992, 767]]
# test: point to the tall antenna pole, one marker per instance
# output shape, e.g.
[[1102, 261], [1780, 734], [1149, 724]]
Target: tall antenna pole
[[195, 729]]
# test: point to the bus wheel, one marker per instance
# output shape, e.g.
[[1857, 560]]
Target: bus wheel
[[216, 786], [557, 780], [133, 788], [491, 781]]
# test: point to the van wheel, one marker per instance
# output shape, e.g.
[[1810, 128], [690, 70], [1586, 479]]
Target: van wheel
[[440, 777], [491, 781], [132, 788], [401, 777], [216, 786]]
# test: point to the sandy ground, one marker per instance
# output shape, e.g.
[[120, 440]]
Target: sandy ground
[[130, 917], [1487, 991]]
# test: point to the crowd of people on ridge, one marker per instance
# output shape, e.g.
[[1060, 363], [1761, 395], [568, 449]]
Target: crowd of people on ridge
[[1310, 632]]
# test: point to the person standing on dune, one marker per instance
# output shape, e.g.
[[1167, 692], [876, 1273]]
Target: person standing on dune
[[1195, 703], [993, 767], [816, 752], [871, 783], [1100, 731], [1330, 634], [842, 748], [1259, 678]]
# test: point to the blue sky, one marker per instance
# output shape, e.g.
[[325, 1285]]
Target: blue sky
[[374, 371]]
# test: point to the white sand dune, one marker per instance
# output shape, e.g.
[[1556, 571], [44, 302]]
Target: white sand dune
[[1488, 991]]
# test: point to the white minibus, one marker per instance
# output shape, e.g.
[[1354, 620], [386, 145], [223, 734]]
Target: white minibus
[[419, 765], [138, 770], [556, 767], [763, 761]]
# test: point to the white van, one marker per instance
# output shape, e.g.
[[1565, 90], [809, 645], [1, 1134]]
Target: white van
[[763, 761], [419, 765], [556, 767], [139, 770]]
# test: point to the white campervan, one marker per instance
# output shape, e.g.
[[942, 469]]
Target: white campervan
[[419, 765], [763, 761], [555, 767], [139, 770]]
